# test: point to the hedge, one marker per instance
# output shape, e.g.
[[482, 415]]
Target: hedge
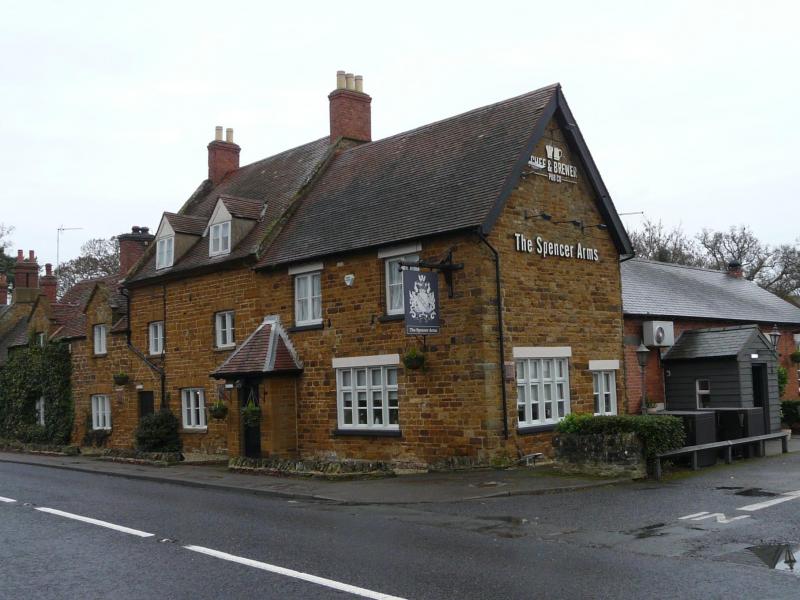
[[159, 432], [659, 433], [790, 409]]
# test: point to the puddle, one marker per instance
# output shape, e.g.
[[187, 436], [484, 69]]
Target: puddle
[[649, 531], [486, 484], [506, 519], [729, 487], [780, 557], [757, 492]]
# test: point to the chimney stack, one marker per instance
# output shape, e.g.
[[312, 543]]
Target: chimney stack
[[735, 269], [350, 111], [3, 289], [223, 156], [49, 283], [26, 277], [132, 246]]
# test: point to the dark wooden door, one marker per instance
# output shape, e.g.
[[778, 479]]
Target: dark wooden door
[[251, 434], [761, 393], [146, 405]]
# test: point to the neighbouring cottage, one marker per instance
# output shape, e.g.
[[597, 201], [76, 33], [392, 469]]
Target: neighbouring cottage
[[662, 302], [280, 284]]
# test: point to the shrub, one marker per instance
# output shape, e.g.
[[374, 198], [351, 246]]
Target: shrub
[[659, 433], [783, 379], [791, 411], [158, 433]]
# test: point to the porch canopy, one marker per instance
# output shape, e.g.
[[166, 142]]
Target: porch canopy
[[266, 351]]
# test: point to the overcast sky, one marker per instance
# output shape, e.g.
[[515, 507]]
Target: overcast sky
[[690, 109]]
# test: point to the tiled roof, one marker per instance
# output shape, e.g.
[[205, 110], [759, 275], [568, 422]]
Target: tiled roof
[[243, 208], [266, 350], [186, 223], [12, 337], [440, 177], [275, 181], [652, 288], [711, 343], [69, 314]]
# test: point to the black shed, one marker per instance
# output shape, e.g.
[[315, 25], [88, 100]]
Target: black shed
[[725, 369]]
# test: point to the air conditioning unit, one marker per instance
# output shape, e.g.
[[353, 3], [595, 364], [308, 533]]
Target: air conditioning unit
[[658, 333]]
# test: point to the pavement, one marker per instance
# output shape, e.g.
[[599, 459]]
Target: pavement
[[447, 487]]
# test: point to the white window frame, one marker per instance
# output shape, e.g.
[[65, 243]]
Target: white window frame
[[308, 300], [101, 412], [604, 387], [165, 252], [155, 337], [224, 329], [392, 266], [370, 382], [193, 408], [40, 411], [219, 239], [703, 393], [100, 333], [536, 376]]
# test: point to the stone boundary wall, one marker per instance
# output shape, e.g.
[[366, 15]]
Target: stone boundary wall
[[616, 455]]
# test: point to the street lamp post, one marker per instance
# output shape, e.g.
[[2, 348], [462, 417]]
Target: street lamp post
[[642, 353]]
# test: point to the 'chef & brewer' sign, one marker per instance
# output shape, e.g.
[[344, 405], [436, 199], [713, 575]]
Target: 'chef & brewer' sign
[[552, 167], [421, 295]]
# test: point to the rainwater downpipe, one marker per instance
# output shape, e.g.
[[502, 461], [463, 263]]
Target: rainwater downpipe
[[161, 372], [501, 330]]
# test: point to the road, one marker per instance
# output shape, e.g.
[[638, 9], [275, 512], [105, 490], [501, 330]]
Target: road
[[686, 538]]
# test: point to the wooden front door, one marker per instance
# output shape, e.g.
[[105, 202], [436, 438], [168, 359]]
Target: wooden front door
[[251, 434], [146, 405]]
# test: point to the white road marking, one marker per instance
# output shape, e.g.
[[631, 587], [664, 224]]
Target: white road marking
[[780, 499], [61, 513], [344, 587], [9, 500], [721, 518], [705, 512]]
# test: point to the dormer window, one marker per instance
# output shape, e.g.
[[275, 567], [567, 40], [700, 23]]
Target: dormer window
[[165, 250], [220, 239]]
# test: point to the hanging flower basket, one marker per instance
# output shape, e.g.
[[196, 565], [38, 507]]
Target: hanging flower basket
[[251, 414], [414, 359], [795, 356], [218, 411], [121, 379]]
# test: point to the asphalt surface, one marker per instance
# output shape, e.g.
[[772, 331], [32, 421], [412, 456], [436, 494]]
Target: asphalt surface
[[625, 541]]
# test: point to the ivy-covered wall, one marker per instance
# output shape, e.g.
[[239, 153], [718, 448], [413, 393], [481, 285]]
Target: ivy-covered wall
[[31, 373]]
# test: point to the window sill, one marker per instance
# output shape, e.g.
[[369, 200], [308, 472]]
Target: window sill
[[224, 348], [310, 327], [531, 429], [390, 318], [101, 428], [100, 354], [194, 430], [368, 432]]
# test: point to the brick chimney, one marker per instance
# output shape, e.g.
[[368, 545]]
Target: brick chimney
[[49, 283], [350, 109], [3, 289], [131, 247], [735, 269], [26, 271], [223, 156]]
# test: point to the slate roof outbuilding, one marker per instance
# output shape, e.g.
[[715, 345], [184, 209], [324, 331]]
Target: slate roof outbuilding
[[659, 289], [717, 342]]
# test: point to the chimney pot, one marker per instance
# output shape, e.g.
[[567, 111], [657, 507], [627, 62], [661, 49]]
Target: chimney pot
[[350, 115], [218, 133], [351, 85], [20, 256], [48, 269], [223, 156], [341, 80], [360, 83], [735, 269], [31, 256], [229, 135]]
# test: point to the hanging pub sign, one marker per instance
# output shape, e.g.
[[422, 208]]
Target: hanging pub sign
[[421, 295]]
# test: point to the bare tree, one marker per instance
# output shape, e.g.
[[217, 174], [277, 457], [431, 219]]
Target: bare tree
[[6, 261], [98, 258], [654, 242], [737, 244]]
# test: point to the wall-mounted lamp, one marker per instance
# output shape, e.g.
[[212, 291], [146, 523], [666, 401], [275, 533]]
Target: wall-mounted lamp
[[575, 222], [540, 215], [775, 336], [600, 226]]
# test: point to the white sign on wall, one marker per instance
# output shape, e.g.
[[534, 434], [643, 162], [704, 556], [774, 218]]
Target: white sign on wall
[[546, 248], [552, 167]]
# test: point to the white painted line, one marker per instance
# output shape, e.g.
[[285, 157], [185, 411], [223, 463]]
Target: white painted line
[[779, 500], [9, 500], [343, 587], [121, 528], [721, 518], [705, 512]]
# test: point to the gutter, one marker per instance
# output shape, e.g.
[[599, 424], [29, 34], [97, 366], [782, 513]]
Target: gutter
[[154, 367], [501, 330]]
